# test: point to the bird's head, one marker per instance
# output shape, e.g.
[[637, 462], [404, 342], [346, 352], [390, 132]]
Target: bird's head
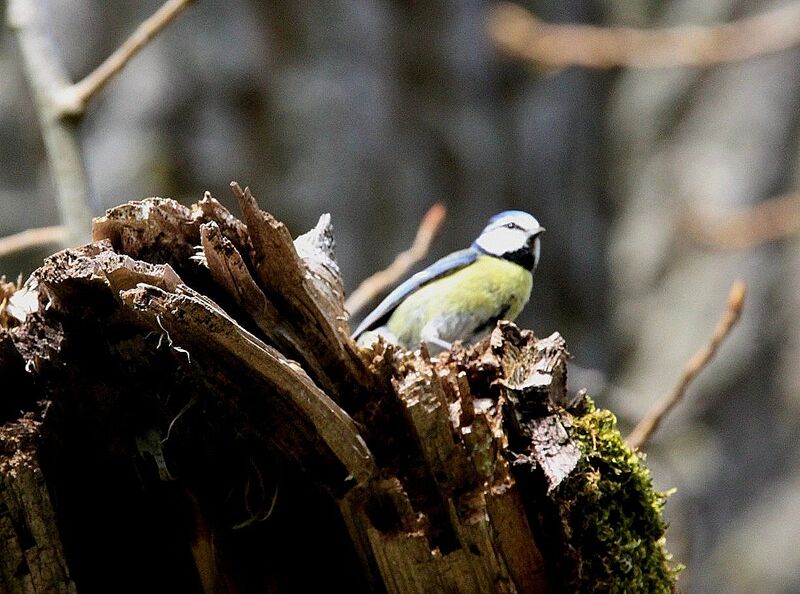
[[513, 235]]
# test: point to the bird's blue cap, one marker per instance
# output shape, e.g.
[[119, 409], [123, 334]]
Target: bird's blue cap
[[507, 213]]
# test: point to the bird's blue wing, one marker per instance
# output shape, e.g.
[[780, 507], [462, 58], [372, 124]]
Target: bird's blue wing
[[438, 269]]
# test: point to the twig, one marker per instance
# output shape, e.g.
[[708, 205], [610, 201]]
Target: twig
[[766, 221], [31, 238], [73, 99], [642, 433], [46, 75], [383, 279], [60, 104], [520, 34]]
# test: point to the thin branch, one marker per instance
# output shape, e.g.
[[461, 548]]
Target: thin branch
[[31, 238], [46, 76], [642, 433], [522, 35], [769, 220], [379, 282], [73, 99], [59, 103]]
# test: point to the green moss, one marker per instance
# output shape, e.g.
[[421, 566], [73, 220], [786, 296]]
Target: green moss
[[611, 515]]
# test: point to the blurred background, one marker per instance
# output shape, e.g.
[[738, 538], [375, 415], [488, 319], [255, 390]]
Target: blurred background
[[373, 110]]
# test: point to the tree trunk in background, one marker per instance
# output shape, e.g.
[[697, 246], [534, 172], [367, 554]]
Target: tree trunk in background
[[194, 417], [692, 146]]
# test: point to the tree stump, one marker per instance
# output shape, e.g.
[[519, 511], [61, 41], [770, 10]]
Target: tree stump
[[183, 410]]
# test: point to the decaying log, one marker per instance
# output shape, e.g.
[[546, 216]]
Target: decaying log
[[183, 406]]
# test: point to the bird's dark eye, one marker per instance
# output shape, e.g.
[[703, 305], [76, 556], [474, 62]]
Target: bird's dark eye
[[512, 226]]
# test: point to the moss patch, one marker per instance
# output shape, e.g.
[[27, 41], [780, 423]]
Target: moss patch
[[611, 516]]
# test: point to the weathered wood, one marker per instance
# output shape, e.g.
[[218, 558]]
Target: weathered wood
[[535, 380], [32, 559], [196, 326], [200, 370], [482, 542], [317, 250], [209, 209], [230, 272], [304, 296]]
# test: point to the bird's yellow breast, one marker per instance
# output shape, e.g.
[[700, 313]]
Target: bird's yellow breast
[[482, 291]]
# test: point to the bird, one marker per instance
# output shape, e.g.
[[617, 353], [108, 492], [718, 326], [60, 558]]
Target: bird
[[462, 296]]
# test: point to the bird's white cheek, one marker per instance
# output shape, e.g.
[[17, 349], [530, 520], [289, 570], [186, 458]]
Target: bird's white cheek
[[500, 241], [537, 250]]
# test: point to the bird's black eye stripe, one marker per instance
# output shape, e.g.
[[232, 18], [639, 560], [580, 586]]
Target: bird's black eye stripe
[[513, 226]]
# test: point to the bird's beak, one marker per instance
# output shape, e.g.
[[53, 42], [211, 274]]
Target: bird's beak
[[533, 235]]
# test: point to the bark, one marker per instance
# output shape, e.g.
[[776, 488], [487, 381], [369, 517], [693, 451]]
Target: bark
[[185, 411]]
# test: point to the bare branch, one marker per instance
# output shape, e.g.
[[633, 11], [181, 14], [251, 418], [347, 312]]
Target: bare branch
[[382, 280], [59, 104], [522, 35], [31, 238], [766, 221], [642, 433], [46, 77], [72, 100]]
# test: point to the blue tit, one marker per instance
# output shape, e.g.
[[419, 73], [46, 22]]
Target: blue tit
[[463, 295]]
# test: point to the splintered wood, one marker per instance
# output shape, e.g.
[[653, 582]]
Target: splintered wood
[[435, 467], [484, 541], [32, 558]]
